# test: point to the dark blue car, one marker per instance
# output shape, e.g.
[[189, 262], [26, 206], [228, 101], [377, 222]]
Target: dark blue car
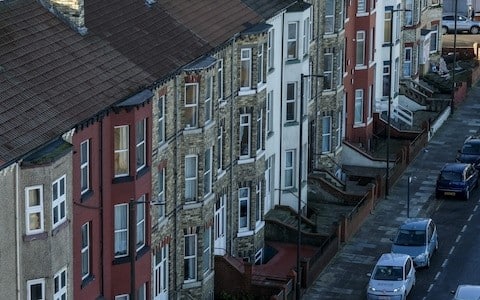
[[456, 179], [470, 152]]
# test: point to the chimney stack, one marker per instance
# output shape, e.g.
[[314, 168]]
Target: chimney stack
[[71, 11]]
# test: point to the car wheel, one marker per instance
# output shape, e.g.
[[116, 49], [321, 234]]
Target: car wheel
[[474, 30], [444, 30]]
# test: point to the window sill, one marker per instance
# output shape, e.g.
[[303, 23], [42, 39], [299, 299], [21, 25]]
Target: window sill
[[35, 236], [191, 284], [122, 179], [360, 67], [191, 130], [242, 161], [292, 61], [245, 233], [142, 172], [290, 123], [85, 196], [246, 92], [86, 281], [59, 227]]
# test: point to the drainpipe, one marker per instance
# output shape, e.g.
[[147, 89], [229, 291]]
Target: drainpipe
[[279, 171], [175, 188], [17, 226], [230, 207], [102, 267]]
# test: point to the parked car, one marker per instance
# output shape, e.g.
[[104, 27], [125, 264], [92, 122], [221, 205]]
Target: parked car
[[467, 292], [470, 152], [418, 238], [393, 277], [463, 24], [456, 179]]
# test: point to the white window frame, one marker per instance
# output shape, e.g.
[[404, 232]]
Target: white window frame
[[161, 120], [207, 173], [360, 48], [220, 222], [245, 69], [290, 163], [386, 84], [141, 145], [121, 231], [140, 222], [258, 204], [220, 79], [269, 116], [305, 36], [341, 15], [362, 6], [161, 193], [208, 99], [340, 58], [142, 292], [339, 130], [245, 132], [270, 49], [260, 65], [191, 104], [291, 102], [326, 134], [34, 210], [121, 151], [160, 273], [260, 131], [434, 38], [220, 148], [207, 250], [329, 16], [85, 166], [60, 282], [59, 203], [192, 179], [190, 258], [122, 297], [328, 71], [292, 40], [408, 13], [407, 62], [359, 106], [34, 282], [388, 22], [85, 251], [243, 201]]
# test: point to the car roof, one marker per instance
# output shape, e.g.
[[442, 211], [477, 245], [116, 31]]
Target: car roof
[[392, 259], [472, 140], [467, 292], [415, 223], [454, 167]]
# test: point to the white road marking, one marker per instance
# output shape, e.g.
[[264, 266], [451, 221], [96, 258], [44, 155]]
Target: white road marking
[[445, 263], [430, 288], [476, 207], [451, 250], [464, 227], [458, 238], [438, 275], [470, 218]]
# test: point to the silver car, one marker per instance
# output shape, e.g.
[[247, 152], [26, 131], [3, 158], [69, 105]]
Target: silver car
[[463, 24], [467, 292], [418, 238], [392, 278]]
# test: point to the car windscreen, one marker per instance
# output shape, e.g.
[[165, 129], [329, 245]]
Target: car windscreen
[[451, 176], [410, 238], [391, 273], [473, 149]]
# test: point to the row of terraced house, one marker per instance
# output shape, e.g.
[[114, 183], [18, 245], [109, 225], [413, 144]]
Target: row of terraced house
[[141, 139]]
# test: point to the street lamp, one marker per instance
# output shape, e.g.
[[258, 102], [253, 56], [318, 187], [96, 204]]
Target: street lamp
[[132, 239], [300, 160], [390, 98], [408, 195], [452, 102]]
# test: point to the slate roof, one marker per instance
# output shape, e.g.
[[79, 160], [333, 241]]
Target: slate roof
[[52, 78]]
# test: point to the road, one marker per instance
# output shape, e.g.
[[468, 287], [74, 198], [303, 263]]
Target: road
[[458, 222]]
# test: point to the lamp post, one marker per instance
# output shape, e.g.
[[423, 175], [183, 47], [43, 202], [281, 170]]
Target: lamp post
[[300, 161], [408, 196], [452, 102], [387, 175]]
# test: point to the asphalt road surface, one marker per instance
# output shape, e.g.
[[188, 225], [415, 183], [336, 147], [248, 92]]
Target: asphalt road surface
[[464, 40]]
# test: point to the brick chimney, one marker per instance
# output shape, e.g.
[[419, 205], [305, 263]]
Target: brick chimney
[[70, 11]]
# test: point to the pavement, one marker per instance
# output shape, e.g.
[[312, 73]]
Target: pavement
[[345, 277]]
